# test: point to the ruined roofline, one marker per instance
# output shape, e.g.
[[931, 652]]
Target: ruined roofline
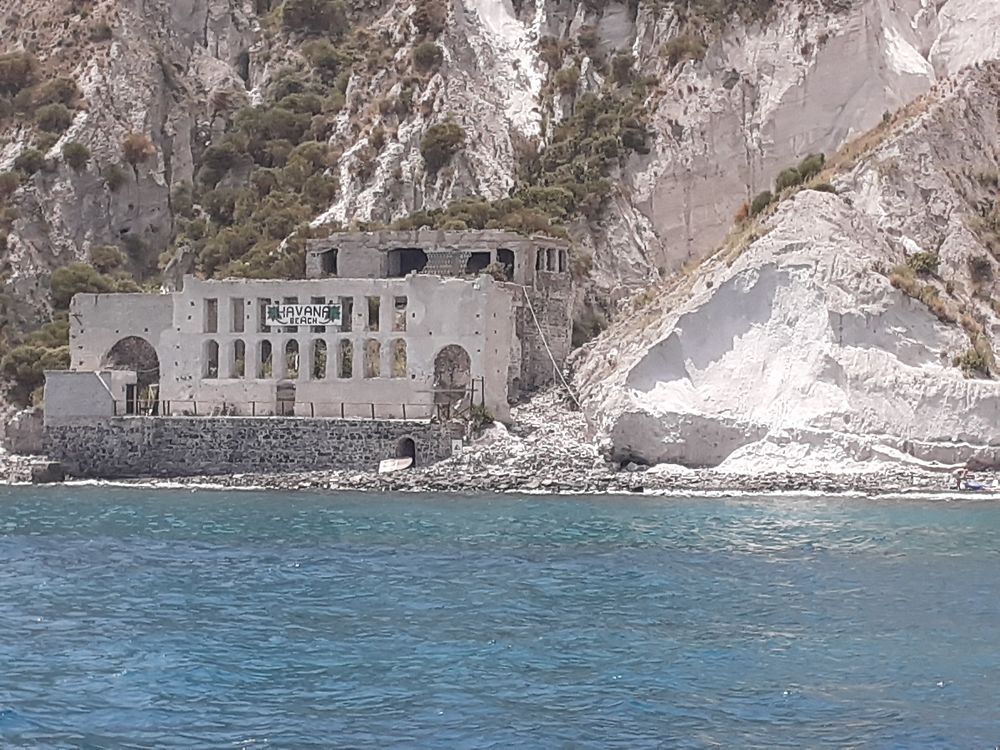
[[459, 240]]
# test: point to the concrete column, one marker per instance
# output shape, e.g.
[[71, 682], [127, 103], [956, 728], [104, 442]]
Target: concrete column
[[306, 358], [385, 311], [278, 369], [225, 315], [226, 354], [385, 356]]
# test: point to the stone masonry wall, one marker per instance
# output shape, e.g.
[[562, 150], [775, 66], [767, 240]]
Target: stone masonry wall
[[551, 300], [122, 447]]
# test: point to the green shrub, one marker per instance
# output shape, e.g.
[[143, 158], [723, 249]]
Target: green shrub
[[60, 90], [427, 56], [222, 156], [588, 39], [621, 68], [761, 201], [567, 79], [683, 48], [923, 262], [811, 166], [44, 142], [430, 16], [106, 258], [324, 57], [550, 50], [29, 161], [76, 155], [114, 176], [787, 178], [182, 200], [972, 363], [54, 118], [9, 183], [17, 71], [315, 16], [440, 143], [77, 278], [824, 187]]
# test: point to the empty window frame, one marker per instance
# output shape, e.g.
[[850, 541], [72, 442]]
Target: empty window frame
[[318, 359], [398, 364], [239, 368], [346, 314], [265, 362], [292, 359], [477, 263], [328, 263], [211, 316], [399, 313], [238, 322], [374, 309], [211, 360]]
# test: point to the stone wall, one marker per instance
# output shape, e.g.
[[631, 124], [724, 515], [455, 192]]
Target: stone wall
[[122, 447], [551, 299]]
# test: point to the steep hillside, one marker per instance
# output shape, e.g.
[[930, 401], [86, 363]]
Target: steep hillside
[[148, 138], [837, 327]]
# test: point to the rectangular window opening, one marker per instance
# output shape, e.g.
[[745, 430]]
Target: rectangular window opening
[[211, 316], [374, 307], [238, 322], [399, 313], [346, 314]]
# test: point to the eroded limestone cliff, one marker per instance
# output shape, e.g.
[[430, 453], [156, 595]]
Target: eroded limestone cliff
[[845, 327]]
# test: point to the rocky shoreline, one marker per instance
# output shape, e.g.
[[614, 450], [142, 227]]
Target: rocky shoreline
[[545, 453]]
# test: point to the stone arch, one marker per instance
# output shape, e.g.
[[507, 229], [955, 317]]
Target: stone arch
[[406, 447], [137, 354], [452, 378]]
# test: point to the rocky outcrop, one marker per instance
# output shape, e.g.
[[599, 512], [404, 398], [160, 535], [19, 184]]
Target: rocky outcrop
[[156, 75], [814, 344]]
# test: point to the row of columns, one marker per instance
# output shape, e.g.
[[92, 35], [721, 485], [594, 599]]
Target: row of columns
[[253, 369]]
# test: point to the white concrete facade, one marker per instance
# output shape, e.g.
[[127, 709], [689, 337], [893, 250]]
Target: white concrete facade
[[212, 344]]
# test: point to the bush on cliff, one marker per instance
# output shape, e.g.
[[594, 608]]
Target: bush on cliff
[[315, 16], [440, 143], [76, 155]]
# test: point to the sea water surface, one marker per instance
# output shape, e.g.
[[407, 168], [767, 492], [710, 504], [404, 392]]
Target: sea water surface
[[141, 618]]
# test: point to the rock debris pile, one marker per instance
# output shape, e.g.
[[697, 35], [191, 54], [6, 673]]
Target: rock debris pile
[[549, 451]]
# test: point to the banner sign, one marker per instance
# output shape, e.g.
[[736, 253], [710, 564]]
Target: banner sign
[[303, 315]]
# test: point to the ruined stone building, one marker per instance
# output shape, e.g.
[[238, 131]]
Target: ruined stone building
[[391, 334]]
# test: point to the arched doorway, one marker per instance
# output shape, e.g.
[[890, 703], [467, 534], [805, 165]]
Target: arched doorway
[[452, 377], [407, 448], [138, 355]]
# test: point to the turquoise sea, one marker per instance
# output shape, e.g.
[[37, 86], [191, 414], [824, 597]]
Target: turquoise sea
[[140, 618]]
